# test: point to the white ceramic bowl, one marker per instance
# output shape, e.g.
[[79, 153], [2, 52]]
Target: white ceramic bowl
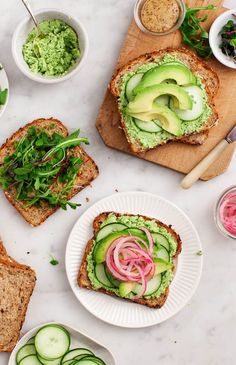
[[78, 339], [215, 39], [3, 85], [25, 27]]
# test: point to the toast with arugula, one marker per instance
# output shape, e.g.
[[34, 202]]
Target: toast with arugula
[[17, 283], [42, 168], [142, 268], [165, 96]]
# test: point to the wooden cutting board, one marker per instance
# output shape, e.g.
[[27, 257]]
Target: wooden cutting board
[[176, 156]]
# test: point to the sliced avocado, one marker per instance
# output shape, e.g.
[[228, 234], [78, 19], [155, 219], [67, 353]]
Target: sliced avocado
[[143, 101], [161, 266], [170, 121], [126, 288], [169, 71]]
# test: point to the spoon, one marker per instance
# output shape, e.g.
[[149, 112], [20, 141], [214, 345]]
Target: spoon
[[32, 16]]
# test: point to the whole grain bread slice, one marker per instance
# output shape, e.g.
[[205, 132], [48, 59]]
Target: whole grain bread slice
[[83, 279], [17, 283], [87, 173], [197, 66]]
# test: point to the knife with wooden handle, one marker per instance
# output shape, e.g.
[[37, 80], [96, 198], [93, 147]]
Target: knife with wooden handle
[[198, 170]]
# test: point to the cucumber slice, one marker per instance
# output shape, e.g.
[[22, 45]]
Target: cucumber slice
[[30, 341], [108, 229], [89, 360], [72, 354], [24, 351], [150, 127], [162, 240], [49, 362], [101, 276], [131, 84], [30, 360], [162, 253], [195, 93], [114, 281], [152, 286], [52, 342]]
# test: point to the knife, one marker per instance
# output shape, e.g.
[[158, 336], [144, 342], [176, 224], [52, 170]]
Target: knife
[[203, 165]]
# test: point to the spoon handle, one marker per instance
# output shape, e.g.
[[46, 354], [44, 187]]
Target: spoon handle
[[30, 12]]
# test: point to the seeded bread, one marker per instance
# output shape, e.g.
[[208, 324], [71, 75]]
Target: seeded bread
[[17, 283], [83, 279], [87, 173], [197, 66]]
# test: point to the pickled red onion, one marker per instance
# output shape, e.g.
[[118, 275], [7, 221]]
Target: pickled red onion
[[128, 261], [228, 212]]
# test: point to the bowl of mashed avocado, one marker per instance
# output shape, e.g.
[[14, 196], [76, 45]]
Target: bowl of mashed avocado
[[55, 53]]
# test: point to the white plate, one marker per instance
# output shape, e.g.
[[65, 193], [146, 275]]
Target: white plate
[[78, 339], [3, 85], [215, 39], [121, 312]]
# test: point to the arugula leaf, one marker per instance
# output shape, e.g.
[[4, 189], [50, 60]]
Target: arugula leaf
[[193, 34], [3, 96]]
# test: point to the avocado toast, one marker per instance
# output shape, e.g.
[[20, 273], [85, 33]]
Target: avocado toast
[[42, 168], [153, 244], [165, 96]]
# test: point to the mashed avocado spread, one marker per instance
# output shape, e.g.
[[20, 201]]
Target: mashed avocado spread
[[53, 52], [135, 221], [150, 140]]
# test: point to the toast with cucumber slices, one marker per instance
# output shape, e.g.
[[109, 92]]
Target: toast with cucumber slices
[[130, 257], [165, 96], [42, 167], [17, 283]]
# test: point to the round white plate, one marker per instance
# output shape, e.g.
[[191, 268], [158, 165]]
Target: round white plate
[[121, 312], [3, 85]]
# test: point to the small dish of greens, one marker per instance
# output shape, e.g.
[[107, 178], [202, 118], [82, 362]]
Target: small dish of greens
[[222, 38], [4, 90]]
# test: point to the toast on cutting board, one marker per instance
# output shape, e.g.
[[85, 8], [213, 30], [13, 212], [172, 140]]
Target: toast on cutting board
[[209, 82], [87, 268], [36, 215], [17, 283]]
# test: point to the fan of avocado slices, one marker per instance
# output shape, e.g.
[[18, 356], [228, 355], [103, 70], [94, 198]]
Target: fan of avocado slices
[[42, 168], [163, 100], [137, 229]]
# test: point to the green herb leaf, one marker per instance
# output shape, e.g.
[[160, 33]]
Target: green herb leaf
[[3, 96], [53, 261]]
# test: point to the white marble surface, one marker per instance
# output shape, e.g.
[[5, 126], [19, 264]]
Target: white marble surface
[[204, 331]]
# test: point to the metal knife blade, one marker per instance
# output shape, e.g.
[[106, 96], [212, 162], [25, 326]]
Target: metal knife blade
[[231, 137]]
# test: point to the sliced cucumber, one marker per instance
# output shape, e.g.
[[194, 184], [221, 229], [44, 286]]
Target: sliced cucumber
[[49, 362], [162, 240], [195, 93], [152, 286], [131, 84], [52, 342], [162, 253], [72, 354], [89, 360], [163, 100], [30, 360], [114, 281], [108, 229], [30, 341], [24, 351], [150, 127], [101, 276]]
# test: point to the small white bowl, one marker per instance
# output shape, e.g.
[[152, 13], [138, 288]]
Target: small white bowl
[[215, 39], [25, 27], [4, 84], [78, 339]]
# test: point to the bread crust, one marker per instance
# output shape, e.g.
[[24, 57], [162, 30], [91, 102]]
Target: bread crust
[[9, 262], [83, 279], [87, 173], [197, 66]]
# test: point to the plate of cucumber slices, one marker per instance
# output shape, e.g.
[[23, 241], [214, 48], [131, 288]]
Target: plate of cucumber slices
[[114, 309], [59, 344]]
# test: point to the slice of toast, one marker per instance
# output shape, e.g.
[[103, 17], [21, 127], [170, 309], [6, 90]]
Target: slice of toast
[[197, 66], [84, 281], [17, 283], [87, 173]]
